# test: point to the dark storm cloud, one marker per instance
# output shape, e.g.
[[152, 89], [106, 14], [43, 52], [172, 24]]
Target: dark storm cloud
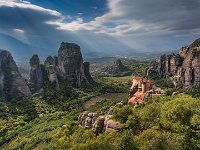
[[173, 14], [26, 17], [128, 25], [32, 20]]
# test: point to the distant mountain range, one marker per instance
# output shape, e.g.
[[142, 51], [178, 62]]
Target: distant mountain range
[[22, 51]]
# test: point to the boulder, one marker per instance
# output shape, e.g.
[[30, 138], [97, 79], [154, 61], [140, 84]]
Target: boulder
[[111, 125], [12, 85], [98, 123], [82, 117]]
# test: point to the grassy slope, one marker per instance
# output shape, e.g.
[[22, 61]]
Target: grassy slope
[[32, 124], [58, 131]]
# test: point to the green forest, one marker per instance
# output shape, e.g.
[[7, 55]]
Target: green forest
[[50, 121]]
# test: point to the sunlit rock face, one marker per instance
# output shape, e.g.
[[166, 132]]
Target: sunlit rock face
[[184, 67], [36, 73], [70, 63], [12, 85]]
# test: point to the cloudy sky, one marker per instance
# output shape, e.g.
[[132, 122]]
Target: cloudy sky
[[100, 27]]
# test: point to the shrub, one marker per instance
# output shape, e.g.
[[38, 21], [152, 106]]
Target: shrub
[[152, 139], [121, 114]]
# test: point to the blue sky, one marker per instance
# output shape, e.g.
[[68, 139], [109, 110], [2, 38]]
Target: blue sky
[[87, 9], [100, 27]]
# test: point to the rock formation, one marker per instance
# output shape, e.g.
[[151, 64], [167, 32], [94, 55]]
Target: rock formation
[[12, 85], [169, 64], [117, 69], [70, 63], [152, 70], [87, 72], [98, 123], [36, 73], [118, 66], [183, 67], [50, 67]]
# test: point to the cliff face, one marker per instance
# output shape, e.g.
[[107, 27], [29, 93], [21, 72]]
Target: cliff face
[[191, 65], [117, 67], [12, 85], [70, 63], [169, 64], [183, 67], [36, 73], [87, 72], [50, 67]]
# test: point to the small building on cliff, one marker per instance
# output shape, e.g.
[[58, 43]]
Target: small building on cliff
[[138, 90]]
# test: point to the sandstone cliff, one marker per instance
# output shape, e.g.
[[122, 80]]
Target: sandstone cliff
[[87, 72], [184, 67], [12, 85], [36, 73], [70, 63], [50, 67]]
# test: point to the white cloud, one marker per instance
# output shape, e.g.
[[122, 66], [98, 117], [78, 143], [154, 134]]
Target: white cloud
[[128, 25], [18, 31], [27, 5], [133, 17]]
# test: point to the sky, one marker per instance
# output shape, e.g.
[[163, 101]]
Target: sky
[[100, 27]]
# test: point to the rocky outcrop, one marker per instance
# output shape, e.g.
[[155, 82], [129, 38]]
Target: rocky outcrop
[[152, 70], [118, 66], [12, 85], [98, 123], [87, 72], [169, 64], [191, 66], [70, 63], [112, 125], [184, 67], [50, 67], [36, 73], [117, 69]]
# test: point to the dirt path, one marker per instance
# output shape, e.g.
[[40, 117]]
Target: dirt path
[[108, 96]]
